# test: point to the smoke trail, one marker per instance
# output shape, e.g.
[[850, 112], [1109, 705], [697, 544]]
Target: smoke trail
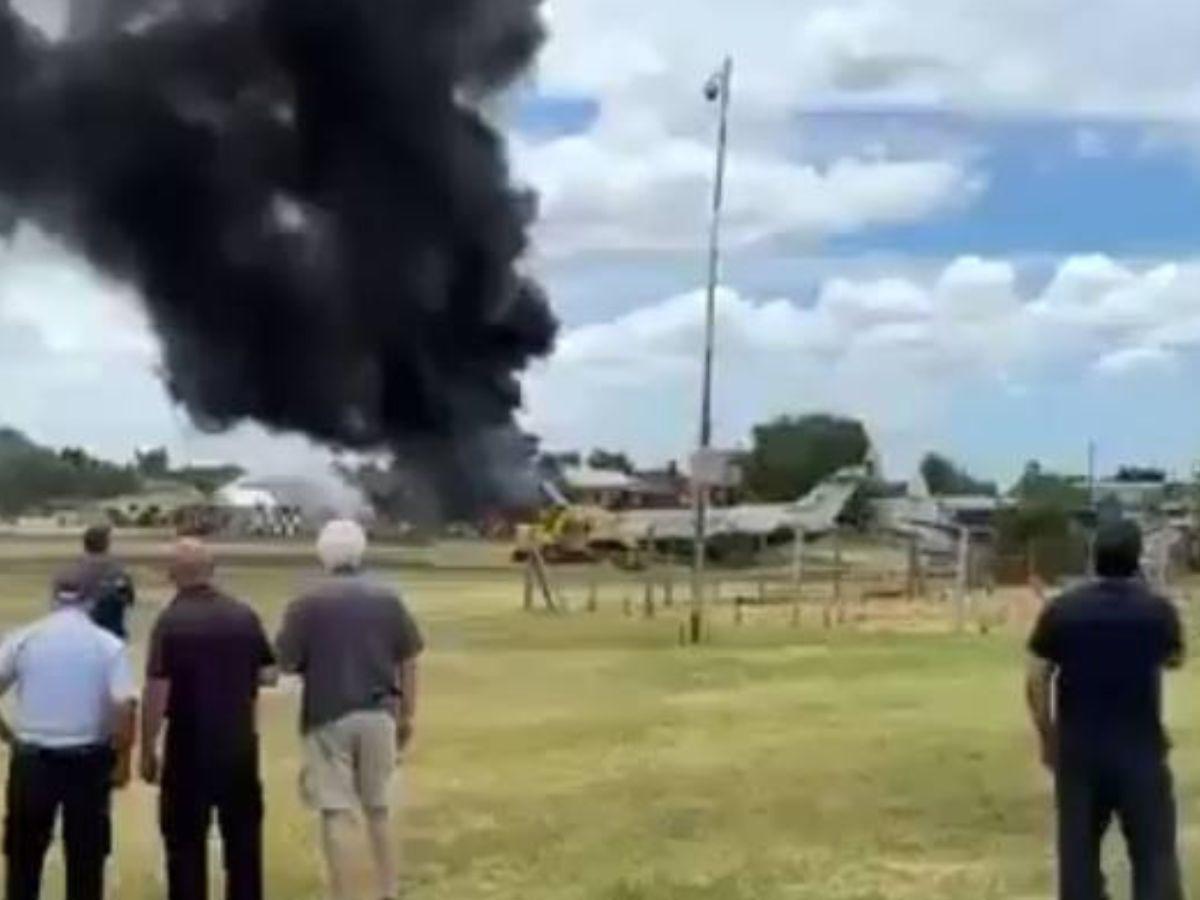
[[320, 221]]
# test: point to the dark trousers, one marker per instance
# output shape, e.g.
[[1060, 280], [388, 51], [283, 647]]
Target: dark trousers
[[40, 784], [1135, 788], [191, 795]]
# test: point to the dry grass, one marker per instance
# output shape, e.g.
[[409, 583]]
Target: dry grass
[[588, 756]]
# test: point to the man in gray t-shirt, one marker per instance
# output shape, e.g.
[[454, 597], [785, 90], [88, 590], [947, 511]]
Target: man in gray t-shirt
[[355, 645]]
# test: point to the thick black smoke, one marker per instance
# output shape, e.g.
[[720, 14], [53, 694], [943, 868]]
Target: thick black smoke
[[318, 216]]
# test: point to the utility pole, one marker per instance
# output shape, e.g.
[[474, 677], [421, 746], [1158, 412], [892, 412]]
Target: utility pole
[[719, 88], [1092, 475], [1093, 511]]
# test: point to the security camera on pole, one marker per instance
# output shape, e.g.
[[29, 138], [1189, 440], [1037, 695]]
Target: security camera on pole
[[718, 89]]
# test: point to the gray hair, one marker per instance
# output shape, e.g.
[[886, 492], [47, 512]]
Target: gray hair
[[342, 545]]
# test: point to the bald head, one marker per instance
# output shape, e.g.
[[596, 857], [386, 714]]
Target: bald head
[[191, 563]]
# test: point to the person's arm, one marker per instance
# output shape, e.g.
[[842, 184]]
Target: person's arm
[[268, 667], [407, 682], [409, 645], [124, 736], [289, 645], [1039, 683], [155, 697], [128, 590], [8, 677], [1039, 692], [154, 713], [1176, 646], [123, 695]]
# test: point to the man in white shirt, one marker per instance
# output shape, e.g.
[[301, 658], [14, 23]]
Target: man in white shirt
[[71, 738]]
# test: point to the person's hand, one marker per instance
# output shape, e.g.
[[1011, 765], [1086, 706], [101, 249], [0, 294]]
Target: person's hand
[[1050, 752], [122, 773], [151, 768], [404, 733]]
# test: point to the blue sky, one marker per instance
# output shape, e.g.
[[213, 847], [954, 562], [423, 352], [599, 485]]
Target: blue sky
[[977, 230], [1054, 188], [1059, 187]]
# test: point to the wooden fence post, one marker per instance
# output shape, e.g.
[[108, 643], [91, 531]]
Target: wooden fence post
[[797, 575], [962, 579], [838, 599], [914, 563], [593, 600]]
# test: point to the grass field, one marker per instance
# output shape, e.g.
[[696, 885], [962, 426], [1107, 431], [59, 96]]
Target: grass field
[[588, 756]]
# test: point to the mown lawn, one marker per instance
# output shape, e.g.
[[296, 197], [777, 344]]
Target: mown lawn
[[588, 756]]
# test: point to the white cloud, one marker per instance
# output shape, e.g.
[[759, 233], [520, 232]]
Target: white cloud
[[1016, 56], [897, 351], [604, 192], [639, 177], [77, 360], [1090, 144], [79, 365], [1136, 359]]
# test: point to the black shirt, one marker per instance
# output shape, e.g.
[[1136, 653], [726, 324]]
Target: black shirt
[[1109, 641], [108, 589], [212, 650], [347, 636]]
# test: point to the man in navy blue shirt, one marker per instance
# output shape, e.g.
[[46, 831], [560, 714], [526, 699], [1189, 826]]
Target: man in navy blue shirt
[[1094, 690]]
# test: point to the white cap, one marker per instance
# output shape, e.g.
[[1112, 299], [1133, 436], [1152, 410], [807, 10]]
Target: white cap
[[342, 545]]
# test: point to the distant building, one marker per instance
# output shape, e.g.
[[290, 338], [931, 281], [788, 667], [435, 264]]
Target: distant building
[[610, 489], [284, 507], [158, 505], [598, 487], [1134, 498]]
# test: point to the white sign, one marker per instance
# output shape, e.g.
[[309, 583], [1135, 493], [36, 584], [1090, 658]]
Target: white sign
[[716, 468]]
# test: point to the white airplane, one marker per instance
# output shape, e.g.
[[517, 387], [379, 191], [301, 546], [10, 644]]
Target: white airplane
[[812, 515]]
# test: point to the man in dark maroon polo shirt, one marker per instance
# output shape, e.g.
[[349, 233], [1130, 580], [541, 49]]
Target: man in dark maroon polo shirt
[[208, 656]]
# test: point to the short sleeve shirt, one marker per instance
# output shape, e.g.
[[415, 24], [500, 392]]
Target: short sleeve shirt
[[347, 637], [109, 590], [212, 650], [1109, 642], [68, 675]]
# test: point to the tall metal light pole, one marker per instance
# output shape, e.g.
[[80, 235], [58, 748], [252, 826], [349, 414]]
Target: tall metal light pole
[[719, 89]]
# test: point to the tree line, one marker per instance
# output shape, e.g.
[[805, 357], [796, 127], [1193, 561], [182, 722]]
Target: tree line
[[34, 477]]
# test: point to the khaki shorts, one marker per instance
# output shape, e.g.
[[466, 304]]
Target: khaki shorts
[[349, 764]]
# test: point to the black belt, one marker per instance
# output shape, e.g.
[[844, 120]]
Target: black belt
[[83, 751]]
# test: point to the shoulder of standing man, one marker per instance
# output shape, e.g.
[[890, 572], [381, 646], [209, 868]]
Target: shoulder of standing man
[[10, 652], [122, 687], [1046, 639]]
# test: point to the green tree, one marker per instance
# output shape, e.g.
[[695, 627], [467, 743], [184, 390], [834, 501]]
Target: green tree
[[1141, 474], [1038, 486], [33, 476], [1040, 530], [610, 462], [945, 478], [792, 455], [154, 463], [208, 479]]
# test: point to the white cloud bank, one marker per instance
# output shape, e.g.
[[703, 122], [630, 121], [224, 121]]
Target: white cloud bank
[[638, 177], [895, 351], [78, 362], [1022, 56], [604, 193]]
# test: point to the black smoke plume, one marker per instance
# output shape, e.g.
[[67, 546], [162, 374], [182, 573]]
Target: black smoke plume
[[318, 215]]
